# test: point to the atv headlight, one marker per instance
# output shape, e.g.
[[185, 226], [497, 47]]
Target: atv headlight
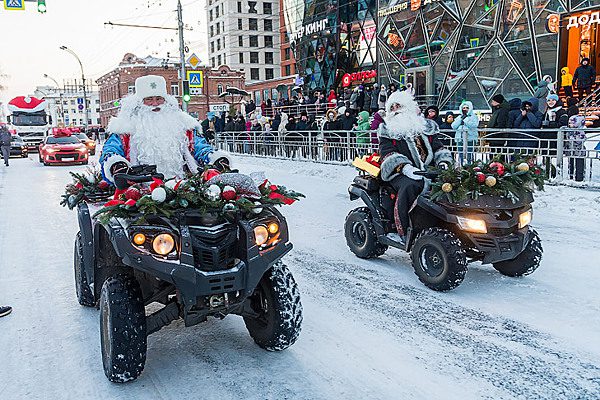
[[261, 235], [163, 244], [525, 219], [472, 225], [273, 228]]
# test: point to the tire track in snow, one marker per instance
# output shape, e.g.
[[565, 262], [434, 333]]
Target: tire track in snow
[[523, 362]]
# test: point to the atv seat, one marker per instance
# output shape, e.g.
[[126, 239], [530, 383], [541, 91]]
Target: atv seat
[[367, 182]]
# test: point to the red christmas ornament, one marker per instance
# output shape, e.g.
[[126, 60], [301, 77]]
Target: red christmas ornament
[[156, 183], [130, 202], [537, 171], [228, 193], [477, 169], [497, 167], [79, 186], [209, 174], [103, 185], [480, 177], [133, 194]]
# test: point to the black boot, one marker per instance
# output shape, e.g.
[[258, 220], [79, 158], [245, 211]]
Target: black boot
[[5, 310]]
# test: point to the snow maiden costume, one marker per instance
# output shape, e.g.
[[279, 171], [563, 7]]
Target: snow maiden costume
[[156, 135], [407, 143]]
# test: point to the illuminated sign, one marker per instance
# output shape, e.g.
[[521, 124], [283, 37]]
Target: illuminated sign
[[347, 79], [415, 5], [309, 29], [584, 19]]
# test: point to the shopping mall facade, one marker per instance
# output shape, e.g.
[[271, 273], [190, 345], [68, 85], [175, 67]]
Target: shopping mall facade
[[450, 50]]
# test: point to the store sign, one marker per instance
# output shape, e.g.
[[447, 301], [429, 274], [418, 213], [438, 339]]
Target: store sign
[[414, 5], [584, 20], [347, 79], [218, 107], [309, 29]]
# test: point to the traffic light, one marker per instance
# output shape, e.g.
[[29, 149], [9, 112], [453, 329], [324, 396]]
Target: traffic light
[[186, 92], [41, 6]]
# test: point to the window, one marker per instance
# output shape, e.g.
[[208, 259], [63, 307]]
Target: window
[[267, 8], [223, 26], [252, 7], [240, 25], [254, 74], [97, 101], [253, 24], [269, 57], [212, 62], [212, 47], [224, 58], [217, 12], [224, 43], [268, 41], [253, 41], [268, 25], [219, 60], [241, 41], [218, 45], [210, 15], [268, 73], [174, 89], [219, 89], [254, 57], [241, 58], [239, 6], [218, 29], [73, 101], [288, 70], [65, 102], [286, 53]]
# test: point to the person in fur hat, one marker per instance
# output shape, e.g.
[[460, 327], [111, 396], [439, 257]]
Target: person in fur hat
[[151, 129], [408, 143]]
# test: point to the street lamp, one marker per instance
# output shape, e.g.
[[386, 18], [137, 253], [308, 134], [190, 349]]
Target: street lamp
[[65, 48], [62, 109]]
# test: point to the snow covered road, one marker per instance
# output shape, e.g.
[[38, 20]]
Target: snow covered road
[[371, 330]]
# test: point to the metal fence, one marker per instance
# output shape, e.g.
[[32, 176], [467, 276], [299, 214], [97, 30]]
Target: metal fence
[[568, 154]]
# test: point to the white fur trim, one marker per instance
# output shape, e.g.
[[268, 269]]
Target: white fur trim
[[119, 125], [215, 155], [110, 161], [150, 85]]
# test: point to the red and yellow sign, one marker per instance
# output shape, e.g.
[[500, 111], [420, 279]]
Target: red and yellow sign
[[347, 79]]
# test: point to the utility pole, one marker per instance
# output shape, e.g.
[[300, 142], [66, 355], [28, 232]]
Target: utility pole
[[181, 51], [60, 94], [85, 100]]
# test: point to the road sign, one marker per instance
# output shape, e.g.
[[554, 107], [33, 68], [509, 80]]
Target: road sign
[[79, 100], [218, 107], [14, 4], [193, 61], [196, 79], [80, 107]]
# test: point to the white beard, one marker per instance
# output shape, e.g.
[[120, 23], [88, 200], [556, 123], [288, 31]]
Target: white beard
[[158, 138], [402, 125]]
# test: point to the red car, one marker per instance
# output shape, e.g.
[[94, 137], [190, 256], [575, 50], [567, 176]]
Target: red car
[[63, 149]]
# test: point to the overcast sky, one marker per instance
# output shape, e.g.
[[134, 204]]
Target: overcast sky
[[29, 43]]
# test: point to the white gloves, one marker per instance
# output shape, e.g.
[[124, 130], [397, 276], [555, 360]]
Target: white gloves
[[409, 171]]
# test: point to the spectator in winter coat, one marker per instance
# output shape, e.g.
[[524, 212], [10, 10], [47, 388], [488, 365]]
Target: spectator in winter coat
[[530, 118], [515, 111], [574, 147], [354, 101], [331, 122], [362, 128], [291, 125], [374, 105], [283, 124], [555, 116], [5, 143], [240, 124], [347, 120], [433, 113], [208, 126], [572, 108], [368, 96], [230, 125], [330, 99], [551, 84], [447, 120], [304, 124], [276, 122], [584, 78], [566, 81], [466, 125], [498, 120], [541, 92], [378, 119], [392, 89], [382, 98]]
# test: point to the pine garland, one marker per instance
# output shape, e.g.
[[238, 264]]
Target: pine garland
[[88, 186], [496, 178]]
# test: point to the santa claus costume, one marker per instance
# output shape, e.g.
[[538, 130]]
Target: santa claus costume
[[160, 135], [408, 143]]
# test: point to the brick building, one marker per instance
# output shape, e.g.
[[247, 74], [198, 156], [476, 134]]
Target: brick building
[[120, 82]]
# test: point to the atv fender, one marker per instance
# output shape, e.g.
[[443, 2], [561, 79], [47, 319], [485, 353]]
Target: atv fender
[[87, 238], [357, 192]]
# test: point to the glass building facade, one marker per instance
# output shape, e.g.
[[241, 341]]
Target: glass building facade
[[455, 50], [333, 41]]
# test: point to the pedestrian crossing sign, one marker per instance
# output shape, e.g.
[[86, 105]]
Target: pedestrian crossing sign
[[14, 4], [196, 79]]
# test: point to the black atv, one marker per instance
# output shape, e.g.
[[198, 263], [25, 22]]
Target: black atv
[[444, 237], [191, 266]]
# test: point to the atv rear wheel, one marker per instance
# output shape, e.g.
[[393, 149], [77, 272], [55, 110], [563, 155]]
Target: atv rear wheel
[[439, 259], [122, 328], [277, 310], [526, 262], [361, 236], [83, 290]]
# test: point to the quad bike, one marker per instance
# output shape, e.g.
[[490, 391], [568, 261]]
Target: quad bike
[[193, 266], [444, 237]]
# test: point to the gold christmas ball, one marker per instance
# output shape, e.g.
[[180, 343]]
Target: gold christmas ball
[[447, 187], [490, 181], [523, 167]]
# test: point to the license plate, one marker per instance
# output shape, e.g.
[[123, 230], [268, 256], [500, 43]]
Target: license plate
[[68, 159]]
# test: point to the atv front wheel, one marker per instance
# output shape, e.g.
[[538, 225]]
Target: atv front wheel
[[439, 259], [276, 310], [83, 290], [122, 328], [361, 236], [526, 262]]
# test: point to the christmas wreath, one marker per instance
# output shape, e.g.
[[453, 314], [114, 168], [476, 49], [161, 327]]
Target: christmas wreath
[[207, 192], [496, 178]]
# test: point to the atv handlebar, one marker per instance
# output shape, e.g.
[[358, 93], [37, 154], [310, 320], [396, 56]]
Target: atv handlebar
[[429, 174], [137, 174]]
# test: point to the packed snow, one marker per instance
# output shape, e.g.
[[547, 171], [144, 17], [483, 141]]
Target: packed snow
[[371, 330]]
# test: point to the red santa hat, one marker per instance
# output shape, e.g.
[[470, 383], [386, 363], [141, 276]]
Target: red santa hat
[[26, 104]]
